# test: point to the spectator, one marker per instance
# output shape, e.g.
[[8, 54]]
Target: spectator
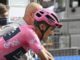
[[3, 17]]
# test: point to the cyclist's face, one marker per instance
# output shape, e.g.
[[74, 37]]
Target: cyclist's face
[[50, 31]]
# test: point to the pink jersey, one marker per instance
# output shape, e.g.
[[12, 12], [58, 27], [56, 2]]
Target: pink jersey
[[17, 42]]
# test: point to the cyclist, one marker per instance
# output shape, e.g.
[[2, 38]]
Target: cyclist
[[29, 12], [18, 41], [27, 19]]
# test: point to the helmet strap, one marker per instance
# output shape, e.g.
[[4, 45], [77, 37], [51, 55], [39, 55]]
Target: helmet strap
[[38, 25]]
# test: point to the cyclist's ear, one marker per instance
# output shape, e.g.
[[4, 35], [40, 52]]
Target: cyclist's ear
[[42, 26]]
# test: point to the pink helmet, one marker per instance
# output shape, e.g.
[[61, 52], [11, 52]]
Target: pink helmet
[[47, 16]]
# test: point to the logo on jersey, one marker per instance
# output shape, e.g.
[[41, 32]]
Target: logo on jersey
[[11, 44], [15, 55], [11, 34]]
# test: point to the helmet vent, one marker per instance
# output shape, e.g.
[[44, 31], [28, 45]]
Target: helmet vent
[[50, 18], [41, 12], [38, 15], [54, 17]]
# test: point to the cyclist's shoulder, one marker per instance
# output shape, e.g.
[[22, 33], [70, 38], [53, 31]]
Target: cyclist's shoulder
[[28, 29]]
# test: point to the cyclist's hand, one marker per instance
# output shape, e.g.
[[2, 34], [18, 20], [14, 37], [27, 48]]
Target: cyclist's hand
[[50, 58]]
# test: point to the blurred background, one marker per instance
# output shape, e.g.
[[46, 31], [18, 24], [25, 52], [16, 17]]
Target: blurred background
[[65, 44]]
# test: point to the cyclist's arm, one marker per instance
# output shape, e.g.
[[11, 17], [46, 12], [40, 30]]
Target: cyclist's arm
[[36, 46], [47, 52]]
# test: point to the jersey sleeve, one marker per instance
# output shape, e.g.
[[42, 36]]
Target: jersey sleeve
[[33, 41]]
